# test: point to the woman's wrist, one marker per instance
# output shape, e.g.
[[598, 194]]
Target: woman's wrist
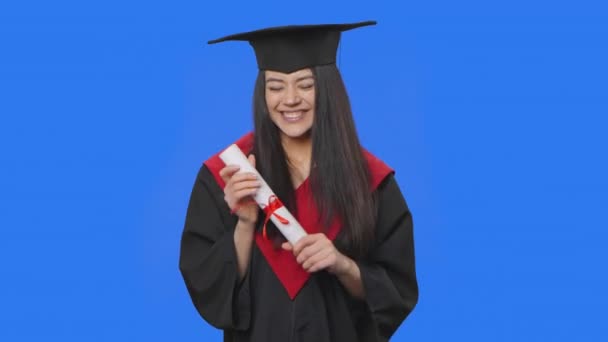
[[344, 266]]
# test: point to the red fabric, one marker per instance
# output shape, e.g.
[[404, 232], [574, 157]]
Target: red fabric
[[215, 164], [283, 263]]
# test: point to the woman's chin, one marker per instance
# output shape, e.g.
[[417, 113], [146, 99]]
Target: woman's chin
[[295, 134]]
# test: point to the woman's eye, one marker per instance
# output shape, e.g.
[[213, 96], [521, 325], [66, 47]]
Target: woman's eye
[[275, 88], [307, 86]]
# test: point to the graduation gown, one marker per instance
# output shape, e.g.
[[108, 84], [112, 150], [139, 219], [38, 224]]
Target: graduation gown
[[260, 309]]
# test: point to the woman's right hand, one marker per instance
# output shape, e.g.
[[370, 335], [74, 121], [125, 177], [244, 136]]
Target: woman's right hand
[[238, 192]]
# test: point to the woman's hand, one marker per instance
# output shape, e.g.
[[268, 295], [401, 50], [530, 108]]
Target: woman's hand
[[316, 252], [238, 192]]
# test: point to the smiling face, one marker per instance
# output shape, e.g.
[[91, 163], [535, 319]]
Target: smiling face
[[290, 99]]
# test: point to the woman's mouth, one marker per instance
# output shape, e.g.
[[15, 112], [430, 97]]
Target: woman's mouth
[[292, 116]]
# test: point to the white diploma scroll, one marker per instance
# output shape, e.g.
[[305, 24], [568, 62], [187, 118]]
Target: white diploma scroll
[[292, 231]]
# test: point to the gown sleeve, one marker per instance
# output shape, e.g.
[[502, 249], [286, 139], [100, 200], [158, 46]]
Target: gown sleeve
[[208, 261], [388, 273]]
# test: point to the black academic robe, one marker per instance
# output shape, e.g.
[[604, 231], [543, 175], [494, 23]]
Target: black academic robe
[[259, 309]]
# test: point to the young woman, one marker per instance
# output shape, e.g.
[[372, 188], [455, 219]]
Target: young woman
[[352, 278]]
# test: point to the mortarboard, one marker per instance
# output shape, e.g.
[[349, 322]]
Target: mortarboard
[[290, 48]]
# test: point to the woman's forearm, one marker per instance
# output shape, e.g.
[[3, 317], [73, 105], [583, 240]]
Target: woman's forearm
[[243, 241], [350, 277]]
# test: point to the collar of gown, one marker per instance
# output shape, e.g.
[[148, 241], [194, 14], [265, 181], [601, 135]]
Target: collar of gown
[[283, 263]]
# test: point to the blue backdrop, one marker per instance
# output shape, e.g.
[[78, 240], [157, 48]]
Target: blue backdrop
[[492, 113]]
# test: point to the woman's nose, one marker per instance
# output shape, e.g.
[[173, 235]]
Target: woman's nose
[[292, 97]]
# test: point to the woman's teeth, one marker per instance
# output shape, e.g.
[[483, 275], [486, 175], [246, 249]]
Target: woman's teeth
[[292, 116]]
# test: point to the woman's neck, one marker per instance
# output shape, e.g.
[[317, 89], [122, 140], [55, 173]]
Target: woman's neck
[[299, 154]]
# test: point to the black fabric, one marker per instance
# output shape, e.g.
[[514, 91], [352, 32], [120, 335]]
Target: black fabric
[[259, 309], [290, 48]]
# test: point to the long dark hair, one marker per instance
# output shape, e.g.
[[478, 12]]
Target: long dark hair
[[339, 176]]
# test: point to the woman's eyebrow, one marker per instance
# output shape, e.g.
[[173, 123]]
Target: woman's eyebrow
[[272, 79], [304, 78]]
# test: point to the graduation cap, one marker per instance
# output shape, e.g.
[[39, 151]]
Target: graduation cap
[[290, 48]]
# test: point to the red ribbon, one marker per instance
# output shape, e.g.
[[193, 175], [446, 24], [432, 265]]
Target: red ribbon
[[273, 205]]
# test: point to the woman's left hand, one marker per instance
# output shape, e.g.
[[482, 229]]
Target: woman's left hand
[[316, 252]]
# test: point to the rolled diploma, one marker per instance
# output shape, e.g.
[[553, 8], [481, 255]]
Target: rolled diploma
[[292, 231]]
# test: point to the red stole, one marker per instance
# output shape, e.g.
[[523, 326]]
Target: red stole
[[283, 263]]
